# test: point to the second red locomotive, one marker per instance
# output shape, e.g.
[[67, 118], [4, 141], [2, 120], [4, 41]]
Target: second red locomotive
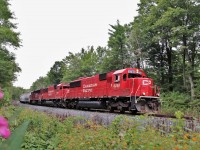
[[124, 90]]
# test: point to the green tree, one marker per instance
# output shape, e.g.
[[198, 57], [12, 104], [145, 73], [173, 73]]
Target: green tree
[[16, 92], [73, 64], [117, 55], [88, 62], [177, 28], [166, 32], [101, 56], [56, 72], [8, 38], [41, 82], [8, 67], [82, 64], [134, 44], [185, 32], [147, 51]]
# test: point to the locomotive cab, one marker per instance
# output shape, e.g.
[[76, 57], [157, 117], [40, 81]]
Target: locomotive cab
[[127, 82]]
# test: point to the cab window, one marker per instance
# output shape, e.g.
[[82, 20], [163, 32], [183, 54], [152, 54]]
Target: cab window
[[65, 87], [131, 75], [117, 78], [124, 77]]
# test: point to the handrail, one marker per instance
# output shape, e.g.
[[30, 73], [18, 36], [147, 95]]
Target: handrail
[[137, 91], [132, 89]]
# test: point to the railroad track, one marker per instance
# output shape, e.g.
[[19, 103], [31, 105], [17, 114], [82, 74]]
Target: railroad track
[[171, 116], [127, 113], [103, 117]]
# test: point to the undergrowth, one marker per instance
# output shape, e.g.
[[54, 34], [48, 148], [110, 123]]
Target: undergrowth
[[174, 101], [51, 132]]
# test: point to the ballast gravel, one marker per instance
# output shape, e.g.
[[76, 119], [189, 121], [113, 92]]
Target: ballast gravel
[[106, 118]]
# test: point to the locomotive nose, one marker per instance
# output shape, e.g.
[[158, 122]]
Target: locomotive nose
[[143, 87]]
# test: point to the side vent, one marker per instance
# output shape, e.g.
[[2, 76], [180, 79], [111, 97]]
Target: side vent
[[45, 90], [37, 91], [102, 76], [75, 84]]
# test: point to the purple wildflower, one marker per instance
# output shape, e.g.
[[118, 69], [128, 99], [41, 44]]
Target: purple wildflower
[[1, 94], [4, 128]]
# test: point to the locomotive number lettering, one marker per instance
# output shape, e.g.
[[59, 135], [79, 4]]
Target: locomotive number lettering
[[116, 85], [50, 93], [87, 90]]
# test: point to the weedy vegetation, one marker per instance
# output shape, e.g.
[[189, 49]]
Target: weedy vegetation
[[44, 131]]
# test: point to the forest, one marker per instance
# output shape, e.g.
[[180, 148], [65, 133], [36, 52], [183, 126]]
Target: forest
[[163, 40]]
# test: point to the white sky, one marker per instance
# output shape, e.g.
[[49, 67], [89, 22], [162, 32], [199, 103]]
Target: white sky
[[51, 28]]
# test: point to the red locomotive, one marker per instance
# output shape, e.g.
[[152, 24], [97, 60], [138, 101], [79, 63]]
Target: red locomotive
[[125, 90]]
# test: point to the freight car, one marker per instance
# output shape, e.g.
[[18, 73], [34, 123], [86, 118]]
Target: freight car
[[127, 89], [25, 98]]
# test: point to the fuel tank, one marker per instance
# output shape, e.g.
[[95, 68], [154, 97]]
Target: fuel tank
[[92, 104]]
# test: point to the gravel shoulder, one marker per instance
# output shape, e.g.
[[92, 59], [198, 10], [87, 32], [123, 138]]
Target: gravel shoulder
[[106, 118]]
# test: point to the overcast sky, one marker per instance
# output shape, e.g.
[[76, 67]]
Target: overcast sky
[[51, 28]]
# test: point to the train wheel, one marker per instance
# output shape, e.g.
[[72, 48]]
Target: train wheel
[[111, 109], [134, 112], [158, 107], [63, 104], [55, 103], [77, 107], [43, 103], [69, 106], [122, 110]]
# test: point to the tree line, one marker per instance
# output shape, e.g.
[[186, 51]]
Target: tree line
[[8, 66]]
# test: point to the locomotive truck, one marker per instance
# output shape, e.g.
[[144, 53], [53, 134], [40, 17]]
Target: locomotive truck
[[127, 89]]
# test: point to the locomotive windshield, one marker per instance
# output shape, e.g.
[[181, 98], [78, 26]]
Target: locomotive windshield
[[65, 86], [133, 75]]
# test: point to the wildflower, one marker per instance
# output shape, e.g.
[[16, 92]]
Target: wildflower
[[1, 94], [174, 139], [176, 148], [194, 139], [186, 136], [4, 130]]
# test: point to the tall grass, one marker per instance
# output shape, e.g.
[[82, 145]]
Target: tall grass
[[50, 132]]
